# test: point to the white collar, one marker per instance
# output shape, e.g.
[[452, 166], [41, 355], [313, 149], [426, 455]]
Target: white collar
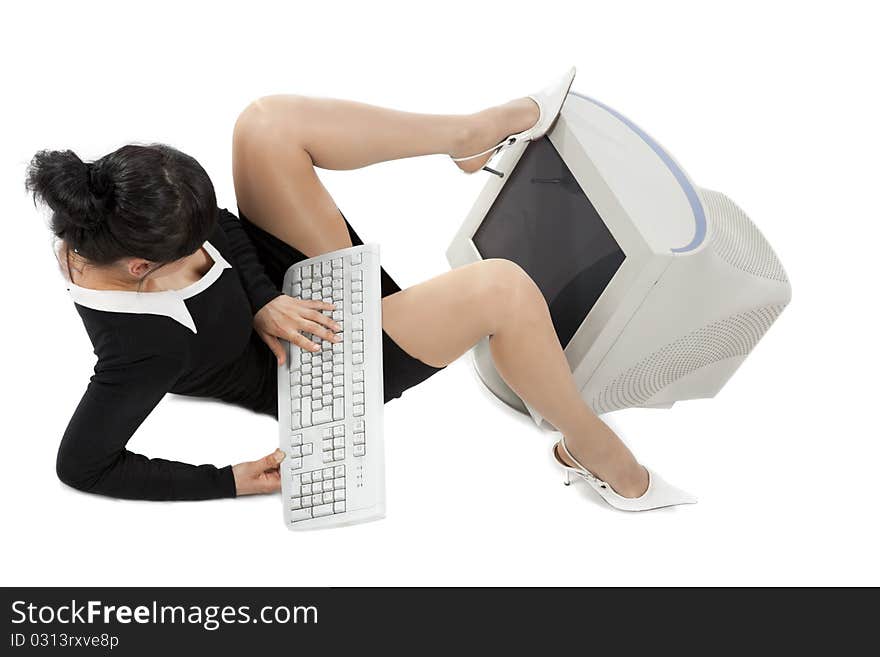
[[167, 302]]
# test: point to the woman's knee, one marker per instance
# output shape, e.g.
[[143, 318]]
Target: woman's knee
[[505, 287], [265, 118]]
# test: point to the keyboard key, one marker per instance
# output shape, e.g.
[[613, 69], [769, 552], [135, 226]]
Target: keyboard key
[[338, 408], [337, 380], [295, 503], [327, 457], [339, 507], [339, 495], [327, 486], [358, 411], [317, 499], [357, 359], [358, 399], [338, 443], [324, 415], [357, 308], [357, 336], [307, 449], [356, 286], [306, 489], [359, 439], [327, 433], [307, 477], [357, 275], [328, 473], [327, 497], [296, 421], [339, 483], [339, 430], [359, 450], [296, 463], [338, 391], [357, 376], [294, 450], [357, 347], [356, 258], [296, 439], [337, 263], [316, 475], [338, 454], [360, 426], [323, 510], [358, 387], [300, 514], [306, 501], [339, 471], [357, 297], [327, 444]]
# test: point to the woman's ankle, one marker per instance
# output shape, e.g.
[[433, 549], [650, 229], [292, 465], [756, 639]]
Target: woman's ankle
[[621, 471]]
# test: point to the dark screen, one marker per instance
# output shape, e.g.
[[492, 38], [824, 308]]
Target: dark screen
[[544, 222]]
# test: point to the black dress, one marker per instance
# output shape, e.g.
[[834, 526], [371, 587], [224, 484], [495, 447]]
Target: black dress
[[198, 341]]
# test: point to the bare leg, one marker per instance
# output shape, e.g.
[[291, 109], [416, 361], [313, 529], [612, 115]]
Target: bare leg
[[276, 143], [440, 319], [278, 140]]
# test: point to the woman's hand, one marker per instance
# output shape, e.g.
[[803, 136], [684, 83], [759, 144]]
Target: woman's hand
[[288, 318], [263, 476]]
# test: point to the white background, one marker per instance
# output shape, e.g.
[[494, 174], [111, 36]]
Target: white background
[[773, 103]]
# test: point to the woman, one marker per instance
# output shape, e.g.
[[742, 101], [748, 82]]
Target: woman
[[180, 296]]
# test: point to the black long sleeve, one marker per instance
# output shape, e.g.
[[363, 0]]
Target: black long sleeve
[[92, 456], [259, 288]]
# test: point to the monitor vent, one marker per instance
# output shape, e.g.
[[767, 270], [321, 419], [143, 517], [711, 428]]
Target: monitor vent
[[735, 336], [738, 241]]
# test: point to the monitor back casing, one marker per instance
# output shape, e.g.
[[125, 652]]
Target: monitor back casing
[[698, 287]]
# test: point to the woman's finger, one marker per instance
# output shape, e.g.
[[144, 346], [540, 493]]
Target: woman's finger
[[316, 329], [275, 346], [271, 461], [302, 341], [320, 305], [321, 318]]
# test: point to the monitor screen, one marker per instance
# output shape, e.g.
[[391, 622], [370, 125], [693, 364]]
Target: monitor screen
[[543, 221]]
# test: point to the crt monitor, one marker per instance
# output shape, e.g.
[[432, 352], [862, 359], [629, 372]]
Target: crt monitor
[[658, 289], [543, 221]]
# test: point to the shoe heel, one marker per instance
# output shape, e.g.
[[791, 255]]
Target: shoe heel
[[567, 480]]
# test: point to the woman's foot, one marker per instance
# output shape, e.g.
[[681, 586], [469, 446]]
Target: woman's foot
[[487, 128], [627, 479]]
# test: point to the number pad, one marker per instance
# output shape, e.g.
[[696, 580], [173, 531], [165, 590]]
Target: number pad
[[317, 493]]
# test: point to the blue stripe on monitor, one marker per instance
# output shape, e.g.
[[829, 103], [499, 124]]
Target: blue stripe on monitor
[[687, 187]]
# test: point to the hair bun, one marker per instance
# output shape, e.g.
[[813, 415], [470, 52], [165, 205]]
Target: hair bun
[[79, 193], [98, 182]]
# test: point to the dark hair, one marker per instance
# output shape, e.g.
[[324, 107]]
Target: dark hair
[[149, 201]]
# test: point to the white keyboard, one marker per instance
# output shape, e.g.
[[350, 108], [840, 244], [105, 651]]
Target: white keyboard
[[330, 402]]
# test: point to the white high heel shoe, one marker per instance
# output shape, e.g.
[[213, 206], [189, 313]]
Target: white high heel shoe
[[659, 494], [549, 101]]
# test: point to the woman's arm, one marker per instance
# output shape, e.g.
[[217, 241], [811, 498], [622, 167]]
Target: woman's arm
[[92, 456], [257, 285]]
